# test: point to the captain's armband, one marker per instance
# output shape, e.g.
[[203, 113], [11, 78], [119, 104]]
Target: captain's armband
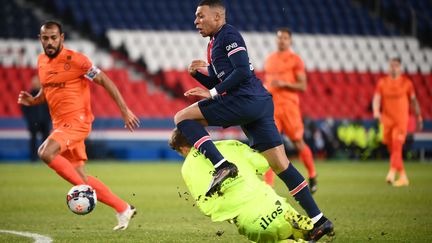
[[92, 73]]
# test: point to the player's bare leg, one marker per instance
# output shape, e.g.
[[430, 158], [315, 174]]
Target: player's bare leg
[[49, 153]]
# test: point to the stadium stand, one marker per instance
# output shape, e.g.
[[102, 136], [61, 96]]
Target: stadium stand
[[345, 46], [403, 13]]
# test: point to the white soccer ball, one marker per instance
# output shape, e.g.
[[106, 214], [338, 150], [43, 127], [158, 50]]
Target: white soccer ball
[[81, 199]]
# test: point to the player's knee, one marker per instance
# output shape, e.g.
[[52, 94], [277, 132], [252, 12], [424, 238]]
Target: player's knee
[[300, 145], [179, 117], [45, 154]]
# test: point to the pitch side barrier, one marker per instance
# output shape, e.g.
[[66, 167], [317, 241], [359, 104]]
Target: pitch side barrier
[[109, 139]]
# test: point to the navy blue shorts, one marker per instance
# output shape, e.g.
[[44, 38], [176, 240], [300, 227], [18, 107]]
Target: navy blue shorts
[[254, 114]]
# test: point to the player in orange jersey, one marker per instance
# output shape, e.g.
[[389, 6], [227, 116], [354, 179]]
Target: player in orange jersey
[[285, 77], [65, 76], [391, 100]]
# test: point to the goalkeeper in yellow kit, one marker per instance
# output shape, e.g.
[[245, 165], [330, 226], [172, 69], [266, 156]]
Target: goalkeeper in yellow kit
[[257, 211]]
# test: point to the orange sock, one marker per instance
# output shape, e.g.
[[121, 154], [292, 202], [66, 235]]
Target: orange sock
[[269, 177], [396, 160], [65, 169], [105, 195], [307, 158]]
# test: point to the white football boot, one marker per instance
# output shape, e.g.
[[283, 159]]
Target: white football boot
[[124, 218]]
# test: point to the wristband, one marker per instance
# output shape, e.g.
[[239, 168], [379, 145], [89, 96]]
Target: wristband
[[213, 92]]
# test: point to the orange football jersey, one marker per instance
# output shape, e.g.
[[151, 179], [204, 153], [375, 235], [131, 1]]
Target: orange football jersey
[[395, 99], [65, 82], [283, 66]]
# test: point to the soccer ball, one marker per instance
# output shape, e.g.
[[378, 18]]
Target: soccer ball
[[81, 199]]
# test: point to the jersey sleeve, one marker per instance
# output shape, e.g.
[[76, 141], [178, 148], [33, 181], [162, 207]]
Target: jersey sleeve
[[86, 67], [234, 43], [299, 67], [378, 88], [235, 50], [411, 90]]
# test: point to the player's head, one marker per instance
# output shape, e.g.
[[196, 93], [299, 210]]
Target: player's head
[[283, 39], [51, 37], [209, 17], [179, 143], [395, 66]]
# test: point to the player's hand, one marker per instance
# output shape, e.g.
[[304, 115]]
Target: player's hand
[[198, 91], [24, 98], [377, 115], [195, 65], [278, 83], [130, 120]]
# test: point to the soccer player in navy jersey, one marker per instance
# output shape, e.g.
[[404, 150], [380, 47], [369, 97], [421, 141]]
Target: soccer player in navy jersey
[[234, 96]]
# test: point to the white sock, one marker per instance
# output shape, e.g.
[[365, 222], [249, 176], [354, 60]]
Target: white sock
[[219, 163], [316, 218]]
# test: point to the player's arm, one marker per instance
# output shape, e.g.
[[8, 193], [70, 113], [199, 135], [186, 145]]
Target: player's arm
[[415, 105], [299, 85], [208, 81], [131, 121], [376, 106], [25, 98], [241, 72]]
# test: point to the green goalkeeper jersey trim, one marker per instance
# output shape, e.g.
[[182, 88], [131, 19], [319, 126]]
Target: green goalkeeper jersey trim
[[236, 192]]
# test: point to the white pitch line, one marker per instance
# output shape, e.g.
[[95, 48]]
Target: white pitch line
[[37, 237]]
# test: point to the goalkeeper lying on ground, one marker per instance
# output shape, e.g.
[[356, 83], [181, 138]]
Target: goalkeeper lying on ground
[[257, 211]]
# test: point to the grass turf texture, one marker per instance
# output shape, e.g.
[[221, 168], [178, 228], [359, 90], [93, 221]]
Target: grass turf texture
[[354, 195]]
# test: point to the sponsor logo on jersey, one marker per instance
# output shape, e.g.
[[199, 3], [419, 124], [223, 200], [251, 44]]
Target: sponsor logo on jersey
[[231, 46], [221, 74], [54, 85], [266, 220]]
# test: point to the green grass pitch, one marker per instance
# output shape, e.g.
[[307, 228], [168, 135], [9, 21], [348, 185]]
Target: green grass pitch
[[353, 194]]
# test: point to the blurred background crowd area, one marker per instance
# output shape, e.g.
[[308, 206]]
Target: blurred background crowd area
[[146, 46]]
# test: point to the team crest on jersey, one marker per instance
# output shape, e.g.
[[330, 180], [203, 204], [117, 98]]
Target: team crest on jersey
[[67, 66], [231, 46]]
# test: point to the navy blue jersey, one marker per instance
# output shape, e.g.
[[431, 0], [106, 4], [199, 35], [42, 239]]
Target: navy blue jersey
[[226, 44]]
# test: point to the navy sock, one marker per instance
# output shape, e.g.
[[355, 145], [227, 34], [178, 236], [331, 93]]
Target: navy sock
[[299, 190], [200, 139]]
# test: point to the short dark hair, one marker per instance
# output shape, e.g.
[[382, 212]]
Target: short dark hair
[[285, 29], [51, 23], [178, 140], [396, 59], [212, 3]]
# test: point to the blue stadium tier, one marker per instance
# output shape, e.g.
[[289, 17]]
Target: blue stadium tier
[[17, 22], [311, 16], [410, 16]]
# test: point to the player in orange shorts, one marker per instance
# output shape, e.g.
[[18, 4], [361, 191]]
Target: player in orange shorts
[[393, 95], [65, 76], [285, 76]]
